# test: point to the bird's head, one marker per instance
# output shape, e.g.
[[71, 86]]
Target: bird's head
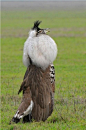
[[43, 31], [36, 30]]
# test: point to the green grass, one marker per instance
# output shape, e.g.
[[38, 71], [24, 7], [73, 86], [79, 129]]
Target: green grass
[[68, 30]]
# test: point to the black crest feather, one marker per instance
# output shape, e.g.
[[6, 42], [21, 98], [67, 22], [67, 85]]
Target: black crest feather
[[36, 24]]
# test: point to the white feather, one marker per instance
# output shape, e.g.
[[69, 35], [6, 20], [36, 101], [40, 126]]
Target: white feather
[[26, 112], [26, 60], [41, 49]]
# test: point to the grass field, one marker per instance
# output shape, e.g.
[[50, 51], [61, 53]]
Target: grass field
[[68, 29]]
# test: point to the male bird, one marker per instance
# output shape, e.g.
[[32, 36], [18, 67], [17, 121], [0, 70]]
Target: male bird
[[38, 85]]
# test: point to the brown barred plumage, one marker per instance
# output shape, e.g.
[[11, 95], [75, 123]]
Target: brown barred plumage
[[37, 87]]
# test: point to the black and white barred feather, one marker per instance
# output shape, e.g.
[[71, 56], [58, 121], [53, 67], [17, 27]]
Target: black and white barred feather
[[52, 74]]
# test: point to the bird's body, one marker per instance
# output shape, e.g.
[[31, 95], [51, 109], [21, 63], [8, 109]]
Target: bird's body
[[41, 91], [38, 85]]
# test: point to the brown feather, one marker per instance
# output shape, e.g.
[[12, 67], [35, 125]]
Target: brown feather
[[37, 86], [41, 89], [25, 101]]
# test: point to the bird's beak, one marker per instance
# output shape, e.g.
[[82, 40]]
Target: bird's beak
[[46, 30]]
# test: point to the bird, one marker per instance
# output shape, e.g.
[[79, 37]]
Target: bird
[[38, 85]]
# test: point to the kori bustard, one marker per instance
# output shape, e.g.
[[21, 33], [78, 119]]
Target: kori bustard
[[38, 85]]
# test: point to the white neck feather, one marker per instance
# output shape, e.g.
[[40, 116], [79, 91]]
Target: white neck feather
[[32, 33], [41, 49]]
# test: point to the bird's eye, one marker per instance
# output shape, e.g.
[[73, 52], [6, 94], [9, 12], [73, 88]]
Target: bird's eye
[[39, 31]]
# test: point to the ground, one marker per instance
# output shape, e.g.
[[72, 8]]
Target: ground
[[67, 23]]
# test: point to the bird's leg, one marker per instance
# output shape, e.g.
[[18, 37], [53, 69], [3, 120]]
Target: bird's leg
[[27, 118]]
